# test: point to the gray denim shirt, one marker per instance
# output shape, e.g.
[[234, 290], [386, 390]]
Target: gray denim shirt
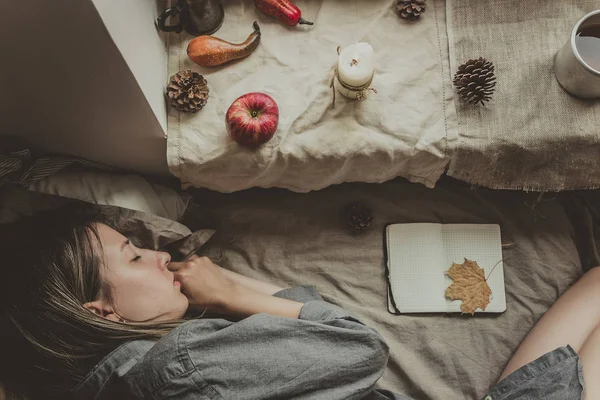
[[324, 354]]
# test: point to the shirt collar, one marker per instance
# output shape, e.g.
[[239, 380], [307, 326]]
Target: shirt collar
[[113, 366]]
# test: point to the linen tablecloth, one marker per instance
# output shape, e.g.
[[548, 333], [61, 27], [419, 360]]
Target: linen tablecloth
[[406, 129]]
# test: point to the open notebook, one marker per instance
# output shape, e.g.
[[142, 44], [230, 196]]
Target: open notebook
[[419, 254]]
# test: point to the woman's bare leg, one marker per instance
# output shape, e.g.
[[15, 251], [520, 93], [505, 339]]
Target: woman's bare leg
[[573, 320]]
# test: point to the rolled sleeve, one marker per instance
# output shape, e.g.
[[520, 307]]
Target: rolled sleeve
[[322, 311], [301, 294], [315, 308]]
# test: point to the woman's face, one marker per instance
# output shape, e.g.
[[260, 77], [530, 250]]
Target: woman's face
[[142, 288]]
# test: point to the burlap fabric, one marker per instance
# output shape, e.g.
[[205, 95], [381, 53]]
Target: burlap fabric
[[533, 135]]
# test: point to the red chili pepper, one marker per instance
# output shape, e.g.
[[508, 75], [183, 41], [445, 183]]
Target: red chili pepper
[[284, 10]]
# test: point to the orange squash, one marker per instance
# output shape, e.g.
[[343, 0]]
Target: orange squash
[[209, 51]]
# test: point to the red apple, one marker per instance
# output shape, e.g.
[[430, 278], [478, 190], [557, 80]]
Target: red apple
[[252, 119]]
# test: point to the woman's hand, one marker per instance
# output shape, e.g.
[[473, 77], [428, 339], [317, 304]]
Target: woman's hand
[[250, 283], [204, 284], [209, 288]]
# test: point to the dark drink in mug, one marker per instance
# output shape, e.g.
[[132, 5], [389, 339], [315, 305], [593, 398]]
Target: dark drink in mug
[[577, 64]]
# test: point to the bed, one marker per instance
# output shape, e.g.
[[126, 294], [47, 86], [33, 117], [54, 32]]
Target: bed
[[302, 238], [291, 238]]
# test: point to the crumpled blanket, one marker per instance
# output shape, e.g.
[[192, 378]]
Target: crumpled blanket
[[290, 238]]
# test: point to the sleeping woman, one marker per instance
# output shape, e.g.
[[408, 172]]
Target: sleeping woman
[[85, 314]]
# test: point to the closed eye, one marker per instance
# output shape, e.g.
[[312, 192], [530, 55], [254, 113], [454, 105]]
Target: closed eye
[[136, 258]]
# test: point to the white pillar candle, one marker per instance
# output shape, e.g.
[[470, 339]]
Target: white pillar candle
[[356, 64], [355, 70]]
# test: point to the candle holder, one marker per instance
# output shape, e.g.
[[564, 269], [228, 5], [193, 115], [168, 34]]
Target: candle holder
[[355, 92]]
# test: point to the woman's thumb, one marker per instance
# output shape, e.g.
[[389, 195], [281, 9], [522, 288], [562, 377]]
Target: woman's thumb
[[175, 266]]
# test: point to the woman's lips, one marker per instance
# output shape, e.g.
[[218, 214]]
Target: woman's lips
[[176, 283]]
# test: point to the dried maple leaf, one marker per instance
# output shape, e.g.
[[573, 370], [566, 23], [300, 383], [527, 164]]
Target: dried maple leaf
[[469, 285]]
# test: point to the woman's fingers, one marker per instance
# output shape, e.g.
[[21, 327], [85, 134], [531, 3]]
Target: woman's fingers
[[194, 262], [191, 268], [204, 283], [175, 266]]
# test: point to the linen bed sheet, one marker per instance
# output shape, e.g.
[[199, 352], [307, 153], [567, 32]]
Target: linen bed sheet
[[292, 238]]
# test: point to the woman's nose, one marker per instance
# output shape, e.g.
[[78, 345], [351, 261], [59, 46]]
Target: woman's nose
[[164, 259]]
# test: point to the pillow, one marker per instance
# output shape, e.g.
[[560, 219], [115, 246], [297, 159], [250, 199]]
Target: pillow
[[127, 191], [145, 229]]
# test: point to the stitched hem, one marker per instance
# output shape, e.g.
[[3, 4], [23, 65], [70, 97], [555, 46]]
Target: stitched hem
[[437, 27], [539, 366]]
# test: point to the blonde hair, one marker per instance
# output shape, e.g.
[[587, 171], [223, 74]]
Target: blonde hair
[[50, 268]]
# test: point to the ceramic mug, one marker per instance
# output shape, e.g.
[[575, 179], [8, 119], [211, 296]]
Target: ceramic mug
[[197, 17], [577, 74]]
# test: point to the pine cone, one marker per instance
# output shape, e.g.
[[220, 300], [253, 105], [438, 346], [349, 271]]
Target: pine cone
[[475, 81], [358, 216], [187, 91], [410, 9]]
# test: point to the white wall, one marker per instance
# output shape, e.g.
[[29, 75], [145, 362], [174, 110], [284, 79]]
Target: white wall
[[65, 87], [130, 23]]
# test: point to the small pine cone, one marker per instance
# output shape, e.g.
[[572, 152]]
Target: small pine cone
[[475, 81], [410, 9], [187, 91], [358, 217]]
